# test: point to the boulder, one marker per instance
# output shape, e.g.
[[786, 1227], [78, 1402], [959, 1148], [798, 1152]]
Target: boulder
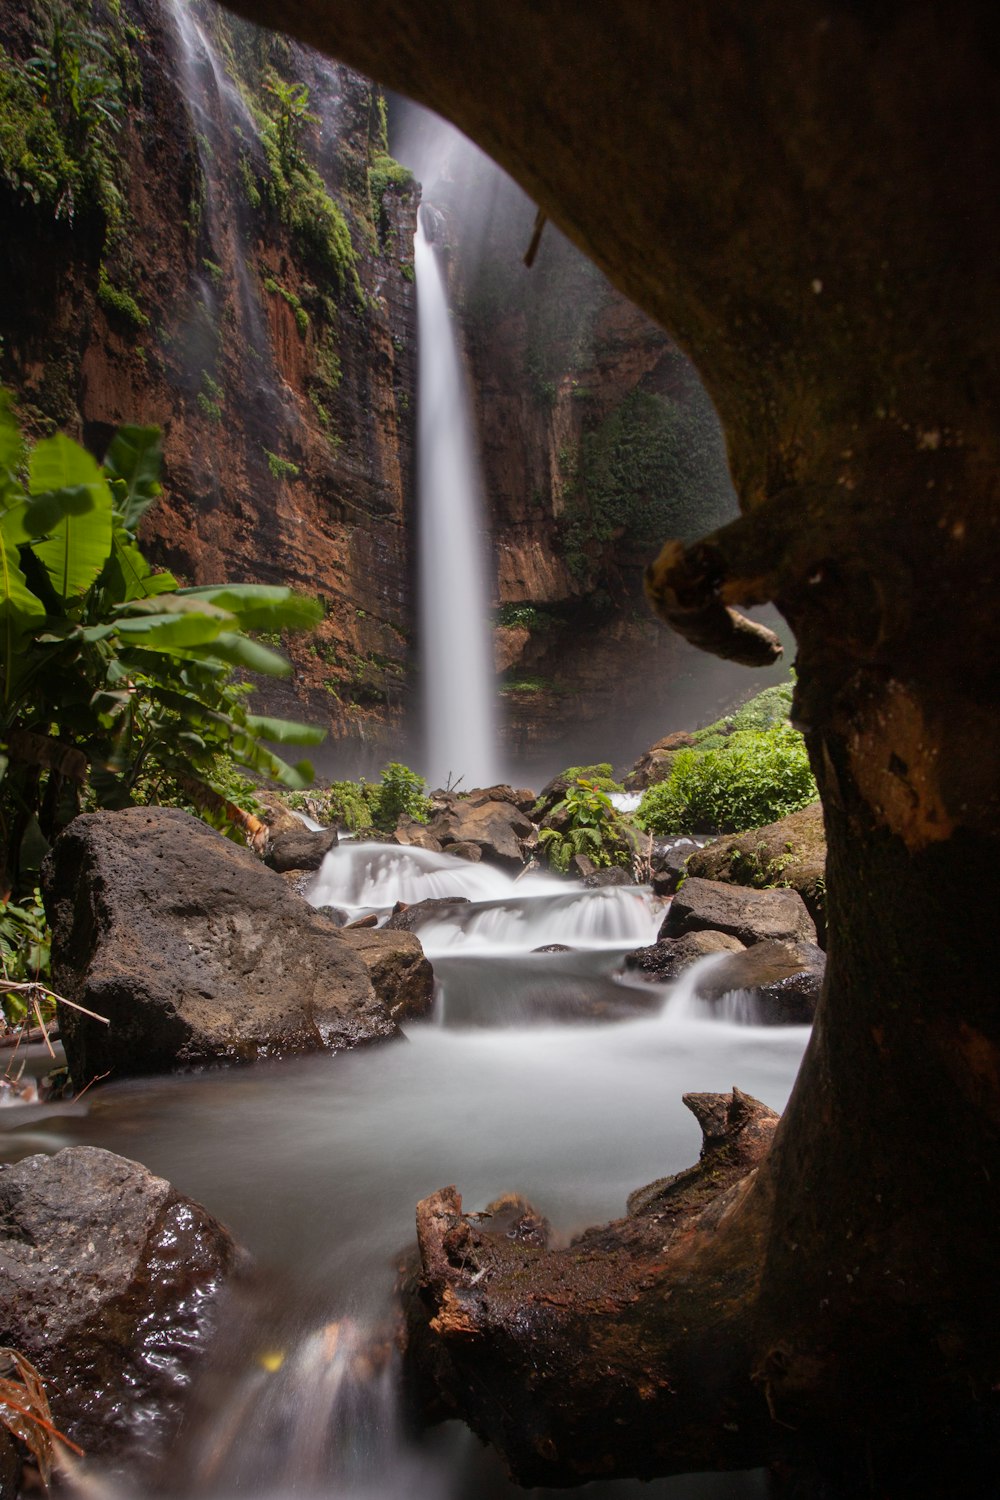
[[300, 848], [193, 950], [791, 852], [669, 860], [472, 852], [665, 960], [409, 918], [654, 766], [783, 981], [614, 876], [752, 916], [402, 977], [109, 1284], [503, 834], [414, 834]]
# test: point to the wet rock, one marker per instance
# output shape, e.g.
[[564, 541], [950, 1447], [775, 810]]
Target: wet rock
[[409, 918], [750, 915], [109, 1283], [10, 1467], [665, 960], [371, 920], [300, 848], [400, 974], [782, 982], [669, 862], [194, 951], [553, 948], [791, 852]]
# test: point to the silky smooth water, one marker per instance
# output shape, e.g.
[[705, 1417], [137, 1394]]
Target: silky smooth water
[[316, 1165], [456, 652]]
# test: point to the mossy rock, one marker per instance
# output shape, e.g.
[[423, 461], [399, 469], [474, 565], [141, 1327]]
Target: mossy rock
[[790, 852]]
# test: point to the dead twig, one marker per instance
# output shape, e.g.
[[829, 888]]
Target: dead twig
[[32, 986]]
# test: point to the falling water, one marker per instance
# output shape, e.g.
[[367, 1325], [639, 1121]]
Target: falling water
[[458, 670]]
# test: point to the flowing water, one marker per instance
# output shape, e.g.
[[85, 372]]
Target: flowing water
[[458, 677], [316, 1165]]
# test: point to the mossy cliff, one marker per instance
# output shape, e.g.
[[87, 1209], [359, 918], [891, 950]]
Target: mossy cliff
[[204, 229]]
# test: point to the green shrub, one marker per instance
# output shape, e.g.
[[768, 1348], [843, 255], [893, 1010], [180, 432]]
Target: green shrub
[[753, 778], [585, 822], [401, 791]]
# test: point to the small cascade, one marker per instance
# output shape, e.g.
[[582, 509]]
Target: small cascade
[[614, 917], [365, 878], [459, 696]]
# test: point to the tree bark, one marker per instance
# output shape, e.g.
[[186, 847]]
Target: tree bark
[[804, 195]]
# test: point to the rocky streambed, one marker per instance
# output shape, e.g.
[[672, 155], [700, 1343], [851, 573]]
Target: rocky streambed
[[316, 1157]]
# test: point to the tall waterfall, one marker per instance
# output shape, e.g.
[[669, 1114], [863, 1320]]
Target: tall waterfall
[[458, 680]]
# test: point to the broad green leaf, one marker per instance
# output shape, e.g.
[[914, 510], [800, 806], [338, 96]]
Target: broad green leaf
[[172, 604], [172, 631], [285, 731], [11, 446], [78, 543], [261, 606], [239, 651], [130, 576], [20, 609], [133, 464]]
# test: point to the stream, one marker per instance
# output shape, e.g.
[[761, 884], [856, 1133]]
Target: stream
[[316, 1165]]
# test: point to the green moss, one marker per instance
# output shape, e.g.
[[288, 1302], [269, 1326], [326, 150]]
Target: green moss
[[652, 468], [407, 271], [119, 303], [300, 314], [281, 468]]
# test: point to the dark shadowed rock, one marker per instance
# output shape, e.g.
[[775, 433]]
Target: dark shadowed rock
[[409, 918], [300, 848], [669, 862], [402, 977], [109, 1280], [615, 876], [193, 950], [791, 852], [665, 960], [782, 980], [752, 916]]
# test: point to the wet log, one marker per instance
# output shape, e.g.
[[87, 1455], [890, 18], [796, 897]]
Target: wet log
[[625, 1352]]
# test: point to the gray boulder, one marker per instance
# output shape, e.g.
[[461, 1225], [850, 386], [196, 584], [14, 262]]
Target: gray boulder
[[750, 915], [409, 918], [109, 1284], [193, 951]]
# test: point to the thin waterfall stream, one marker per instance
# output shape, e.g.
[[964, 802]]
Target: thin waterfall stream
[[317, 1164], [459, 708]]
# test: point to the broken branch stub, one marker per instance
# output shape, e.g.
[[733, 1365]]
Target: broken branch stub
[[683, 586]]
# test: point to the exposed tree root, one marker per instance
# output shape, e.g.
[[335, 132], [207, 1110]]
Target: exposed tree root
[[626, 1352]]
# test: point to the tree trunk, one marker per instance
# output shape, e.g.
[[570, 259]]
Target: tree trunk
[[805, 195]]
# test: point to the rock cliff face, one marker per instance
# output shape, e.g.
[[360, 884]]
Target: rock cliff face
[[255, 299], [224, 247]]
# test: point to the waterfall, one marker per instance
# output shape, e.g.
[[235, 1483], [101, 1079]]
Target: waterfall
[[459, 698]]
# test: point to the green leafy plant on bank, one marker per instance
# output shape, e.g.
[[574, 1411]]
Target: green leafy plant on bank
[[752, 778], [357, 805], [109, 671], [584, 822]]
